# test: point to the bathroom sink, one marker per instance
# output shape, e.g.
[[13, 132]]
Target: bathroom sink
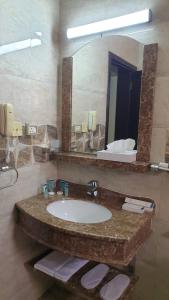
[[79, 211]]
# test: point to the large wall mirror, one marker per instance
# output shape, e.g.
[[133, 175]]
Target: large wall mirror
[[106, 87], [105, 93]]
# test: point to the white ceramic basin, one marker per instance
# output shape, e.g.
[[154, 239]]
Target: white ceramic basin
[[79, 211]]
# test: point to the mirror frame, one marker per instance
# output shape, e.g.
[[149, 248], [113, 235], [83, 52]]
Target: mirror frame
[[150, 54]]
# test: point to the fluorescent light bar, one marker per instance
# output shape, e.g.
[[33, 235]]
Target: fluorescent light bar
[[139, 17], [29, 43]]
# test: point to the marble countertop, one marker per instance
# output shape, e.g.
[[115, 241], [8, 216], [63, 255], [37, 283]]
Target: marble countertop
[[123, 226]]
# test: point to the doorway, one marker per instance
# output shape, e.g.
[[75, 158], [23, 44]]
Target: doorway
[[123, 100]]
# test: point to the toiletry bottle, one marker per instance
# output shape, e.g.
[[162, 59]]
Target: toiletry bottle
[[66, 189], [51, 184], [45, 190], [62, 185]]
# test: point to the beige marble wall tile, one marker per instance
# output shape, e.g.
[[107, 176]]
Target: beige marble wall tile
[[15, 247], [34, 101], [161, 103], [158, 144], [153, 284], [25, 18], [24, 156], [146, 185]]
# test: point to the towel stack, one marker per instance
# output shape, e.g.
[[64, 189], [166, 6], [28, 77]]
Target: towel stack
[[137, 206], [60, 265]]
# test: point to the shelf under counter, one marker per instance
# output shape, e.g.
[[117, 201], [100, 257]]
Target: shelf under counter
[[92, 160], [74, 286]]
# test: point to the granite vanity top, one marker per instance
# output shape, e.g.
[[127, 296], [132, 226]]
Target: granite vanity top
[[115, 241], [123, 226]]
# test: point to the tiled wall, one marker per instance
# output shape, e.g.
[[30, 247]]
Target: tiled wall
[[18, 282], [28, 150], [89, 142], [152, 260], [28, 80], [28, 77]]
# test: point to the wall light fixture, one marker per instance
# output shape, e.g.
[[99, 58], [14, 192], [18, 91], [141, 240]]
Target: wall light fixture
[[135, 18]]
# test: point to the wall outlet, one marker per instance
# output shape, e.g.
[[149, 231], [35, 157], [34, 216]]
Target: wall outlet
[[17, 129], [30, 129], [78, 128]]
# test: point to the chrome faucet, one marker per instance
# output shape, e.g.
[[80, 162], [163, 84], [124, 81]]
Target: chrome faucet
[[92, 188]]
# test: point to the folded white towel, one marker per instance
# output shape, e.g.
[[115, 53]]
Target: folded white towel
[[133, 208], [93, 277], [60, 265], [138, 202], [70, 268], [51, 262], [115, 288]]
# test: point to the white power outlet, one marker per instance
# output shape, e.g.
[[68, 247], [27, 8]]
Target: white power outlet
[[30, 129]]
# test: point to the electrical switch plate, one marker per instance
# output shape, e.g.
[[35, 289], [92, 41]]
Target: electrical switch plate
[[78, 128], [30, 129], [17, 129]]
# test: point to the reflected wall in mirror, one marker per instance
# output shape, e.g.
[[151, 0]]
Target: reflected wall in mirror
[[106, 86], [89, 121]]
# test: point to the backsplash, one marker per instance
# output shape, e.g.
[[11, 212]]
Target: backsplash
[[27, 150]]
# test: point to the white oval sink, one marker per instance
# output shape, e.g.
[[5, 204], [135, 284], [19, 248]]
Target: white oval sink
[[79, 211]]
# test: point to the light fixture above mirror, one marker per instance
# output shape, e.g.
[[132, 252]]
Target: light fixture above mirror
[[136, 18]]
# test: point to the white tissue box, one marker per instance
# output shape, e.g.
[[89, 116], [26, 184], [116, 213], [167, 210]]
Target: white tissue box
[[127, 156]]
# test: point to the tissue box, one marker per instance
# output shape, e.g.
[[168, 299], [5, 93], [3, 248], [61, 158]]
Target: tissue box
[[127, 156]]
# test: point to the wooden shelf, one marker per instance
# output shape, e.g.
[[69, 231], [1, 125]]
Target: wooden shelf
[[92, 160], [74, 286]]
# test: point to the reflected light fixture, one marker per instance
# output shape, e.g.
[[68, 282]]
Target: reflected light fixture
[[20, 45], [139, 17]]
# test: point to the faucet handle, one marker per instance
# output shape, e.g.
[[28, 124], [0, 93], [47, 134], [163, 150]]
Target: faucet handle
[[93, 184], [92, 188]]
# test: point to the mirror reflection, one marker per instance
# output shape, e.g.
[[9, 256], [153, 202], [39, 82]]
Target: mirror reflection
[[106, 92]]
